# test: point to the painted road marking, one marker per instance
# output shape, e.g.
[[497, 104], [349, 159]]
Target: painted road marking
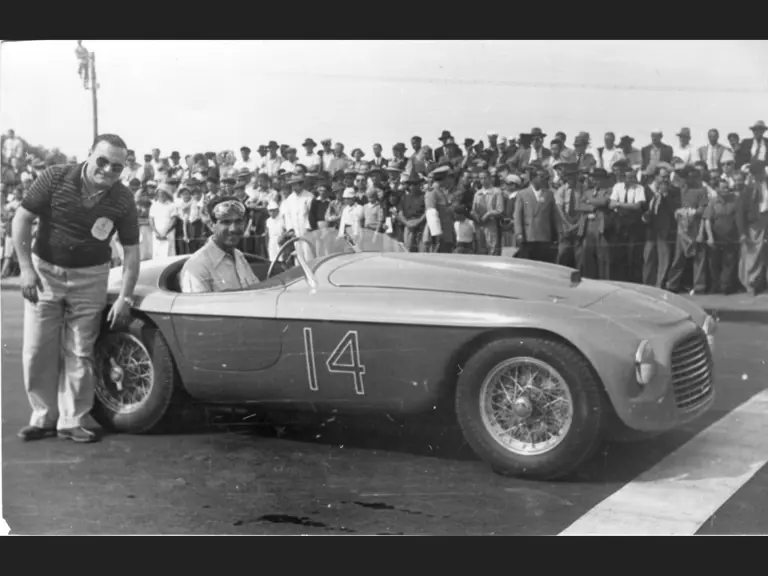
[[687, 487]]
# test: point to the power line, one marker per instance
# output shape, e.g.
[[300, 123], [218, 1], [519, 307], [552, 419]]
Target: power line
[[526, 83]]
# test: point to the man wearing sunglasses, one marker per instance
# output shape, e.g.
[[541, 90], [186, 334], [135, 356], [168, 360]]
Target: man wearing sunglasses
[[64, 282]]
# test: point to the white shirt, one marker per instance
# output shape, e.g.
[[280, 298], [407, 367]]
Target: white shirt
[[620, 194], [763, 146], [296, 212], [685, 153], [609, 157], [271, 165], [288, 166], [311, 161], [764, 197], [537, 194], [351, 216], [13, 148], [465, 230], [252, 164], [162, 213], [275, 229], [210, 269]]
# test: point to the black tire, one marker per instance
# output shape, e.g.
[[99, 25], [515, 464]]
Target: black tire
[[589, 409], [154, 411]]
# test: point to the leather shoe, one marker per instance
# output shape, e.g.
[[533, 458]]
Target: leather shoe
[[78, 434], [35, 433]]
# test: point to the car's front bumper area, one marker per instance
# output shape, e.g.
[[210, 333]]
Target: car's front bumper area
[[681, 391]]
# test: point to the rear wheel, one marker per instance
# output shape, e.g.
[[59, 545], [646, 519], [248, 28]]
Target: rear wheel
[[531, 407], [135, 379]]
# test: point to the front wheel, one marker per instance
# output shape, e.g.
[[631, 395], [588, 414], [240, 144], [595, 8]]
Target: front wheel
[[531, 407], [135, 379]]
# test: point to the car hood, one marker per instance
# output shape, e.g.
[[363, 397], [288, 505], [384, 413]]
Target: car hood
[[646, 305], [478, 275]]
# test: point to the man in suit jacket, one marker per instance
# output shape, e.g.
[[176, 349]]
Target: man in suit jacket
[[530, 153], [662, 200], [378, 160], [655, 153], [752, 223], [757, 146], [741, 155], [712, 153], [445, 138], [536, 219]]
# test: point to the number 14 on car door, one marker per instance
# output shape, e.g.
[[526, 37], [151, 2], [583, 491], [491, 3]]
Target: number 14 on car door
[[341, 368]]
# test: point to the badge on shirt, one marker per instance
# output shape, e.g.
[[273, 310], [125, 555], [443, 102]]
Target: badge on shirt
[[101, 228]]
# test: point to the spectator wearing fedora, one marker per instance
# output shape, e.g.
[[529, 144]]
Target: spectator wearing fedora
[[632, 155], [420, 161], [627, 203], [536, 219], [445, 138], [289, 162], [713, 152], [741, 155], [752, 222], [584, 160], [399, 160], [593, 253], [246, 161], [757, 145], [439, 233], [319, 206], [722, 235], [415, 144], [297, 206], [487, 212], [690, 246], [272, 162], [335, 206], [609, 154], [310, 158], [326, 155], [662, 200], [567, 198], [655, 153]]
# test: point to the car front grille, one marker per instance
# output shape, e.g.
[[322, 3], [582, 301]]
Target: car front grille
[[692, 372]]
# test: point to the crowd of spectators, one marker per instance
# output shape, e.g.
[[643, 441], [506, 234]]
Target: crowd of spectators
[[677, 216]]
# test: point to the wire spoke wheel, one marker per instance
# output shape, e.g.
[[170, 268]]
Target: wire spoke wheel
[[526, 406], [125, 374]]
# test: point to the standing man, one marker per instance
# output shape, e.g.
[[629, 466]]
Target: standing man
[[567, 197], [326, 155], [654, 154], [12, 147], [439, 234], [593, 251], [684, 150], [487, 211], [712, 153], [309, 158], [411, 214], [632, 155], [756, 147], [378, 160], [752, 222], [609, 154], [690, 233], [64, 282], [659, 219], [445, 138], [536, 220], [82, 63], [584, 160], [627, 203], [246, 161]]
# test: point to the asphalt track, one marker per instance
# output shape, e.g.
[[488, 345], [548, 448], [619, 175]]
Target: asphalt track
[[376, 476]]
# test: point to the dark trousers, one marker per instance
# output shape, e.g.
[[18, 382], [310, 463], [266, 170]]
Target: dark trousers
[[464, 248], [566, 251], [593, 254], [627, 256], [723, 266], [679, 263], [539, 251], [656, 256]]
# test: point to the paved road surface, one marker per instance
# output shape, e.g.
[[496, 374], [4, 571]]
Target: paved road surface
[[375, 476]]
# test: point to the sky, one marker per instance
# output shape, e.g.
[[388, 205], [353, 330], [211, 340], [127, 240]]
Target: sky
[[194, 96]]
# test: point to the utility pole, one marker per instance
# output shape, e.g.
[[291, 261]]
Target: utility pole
[[94, 88]]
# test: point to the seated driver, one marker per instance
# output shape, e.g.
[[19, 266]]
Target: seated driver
[[219, 266]]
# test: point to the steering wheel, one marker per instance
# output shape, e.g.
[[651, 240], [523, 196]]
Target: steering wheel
[[297, 254]]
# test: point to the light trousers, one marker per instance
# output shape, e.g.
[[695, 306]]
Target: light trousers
[[59, 336]]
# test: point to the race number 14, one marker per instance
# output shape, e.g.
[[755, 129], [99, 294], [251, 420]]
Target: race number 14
[[348, 348]]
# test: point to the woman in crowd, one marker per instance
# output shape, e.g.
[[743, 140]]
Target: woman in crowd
[[143, 205], [163, 215]]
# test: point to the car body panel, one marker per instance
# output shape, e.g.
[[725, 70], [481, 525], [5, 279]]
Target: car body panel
[[413, 315]]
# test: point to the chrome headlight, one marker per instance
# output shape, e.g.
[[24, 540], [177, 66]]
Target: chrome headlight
[[710, 327], [645, 363]]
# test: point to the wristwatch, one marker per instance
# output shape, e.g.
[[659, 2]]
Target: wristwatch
[[128, 301]]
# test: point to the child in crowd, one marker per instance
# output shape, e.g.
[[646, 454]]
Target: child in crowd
[[464, 229]]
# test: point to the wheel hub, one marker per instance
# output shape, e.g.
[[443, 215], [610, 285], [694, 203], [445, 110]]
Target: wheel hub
[[116, 374], [522, 407]]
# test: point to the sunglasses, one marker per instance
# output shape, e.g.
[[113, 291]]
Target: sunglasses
[[103, 162]]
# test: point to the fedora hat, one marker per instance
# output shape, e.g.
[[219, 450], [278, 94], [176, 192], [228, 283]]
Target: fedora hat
[[445, 135], [537, 132], [309, 142], [759, 125]]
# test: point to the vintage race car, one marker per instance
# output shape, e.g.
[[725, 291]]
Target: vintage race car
[[540, 365]]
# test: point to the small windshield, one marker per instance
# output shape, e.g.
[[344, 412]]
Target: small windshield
[[327, 242]]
